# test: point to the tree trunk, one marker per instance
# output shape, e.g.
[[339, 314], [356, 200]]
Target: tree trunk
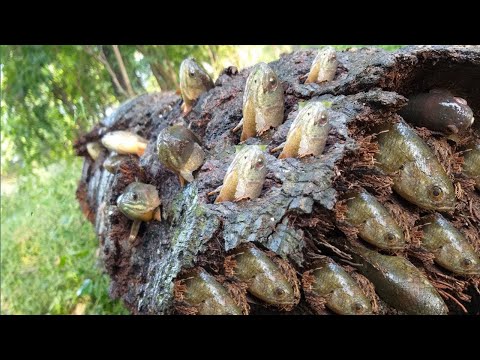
[[295, 216]]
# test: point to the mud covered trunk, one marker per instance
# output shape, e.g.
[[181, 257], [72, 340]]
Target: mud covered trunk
[[298, 215]]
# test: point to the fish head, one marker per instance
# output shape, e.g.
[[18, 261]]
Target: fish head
[[313, 118], [327, 58], [194, 80], [139, 201], [278, 292], [251, 164]]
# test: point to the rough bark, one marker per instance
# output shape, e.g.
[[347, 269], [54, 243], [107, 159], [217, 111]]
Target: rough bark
[[296, 214]]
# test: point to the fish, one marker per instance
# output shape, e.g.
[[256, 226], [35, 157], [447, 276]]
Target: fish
[[417, 174], [245, 176], [112, 162], [324, 66], [194, 81], [471, 164], [124, 142], [451, 249], [180, 150], [263, 102], [308, 132], [263, 277], [208, 296], [438, 110], [94, 149], [399, 283], [139, 202], [375, 224], [343, 295]]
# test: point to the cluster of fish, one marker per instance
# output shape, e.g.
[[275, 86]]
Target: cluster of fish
[[417, 176]]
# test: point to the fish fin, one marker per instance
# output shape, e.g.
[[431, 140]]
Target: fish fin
[[157, 215], [239, 125], [141, 149], [187, 175], [182, 180], [134, 230], [313, 73], [217, 190], [229, 187], [278, 148]]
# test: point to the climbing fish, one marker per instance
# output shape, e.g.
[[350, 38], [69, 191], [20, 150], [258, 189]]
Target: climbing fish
[[139, 202], [471, 164], [416, 172], [263, 277], [124, 142], [208, 296], [308, 132], [451, 249], [180, 150], [375, 224], [263, 102], [343, 295], [245, 175], [438, 110], [194, 81], [399, 283], [324, 66]]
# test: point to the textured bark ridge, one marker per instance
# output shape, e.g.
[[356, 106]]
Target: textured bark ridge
[[298, 215]]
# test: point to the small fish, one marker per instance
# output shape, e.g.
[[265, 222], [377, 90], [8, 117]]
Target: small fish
[[263, 277], [180, 150], [471, 164], [124, 142], [263, 102], [139, 202], [324, 66], [194, 81], [417, 174], [399, 283], [112, 162], [438, 110], [245, 175], [375, 224], [208, 296], [343, 295], [452, 251], [94, 149], [308, 132]]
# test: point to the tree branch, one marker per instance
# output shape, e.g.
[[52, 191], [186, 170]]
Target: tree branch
[[123, 70]]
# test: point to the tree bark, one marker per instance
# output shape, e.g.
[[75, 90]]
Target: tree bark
[[296, 214]]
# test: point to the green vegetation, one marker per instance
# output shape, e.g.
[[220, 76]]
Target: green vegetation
[[48, 96]]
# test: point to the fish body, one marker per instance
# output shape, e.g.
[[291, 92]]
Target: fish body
[[94, 149], [263, 277], [438, 110], [375, 224], [308, 132], [208, 296], [471, 164], [245, 175], [399, 283], [180, 150], [194, 81], [343, 295], [451, 249], [263, 102], [124, 142], [324, 66], [417, 174], [112, 162]]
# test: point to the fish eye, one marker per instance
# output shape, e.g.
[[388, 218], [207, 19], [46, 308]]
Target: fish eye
[[191, 73], [134, 197], [437, 192], [358, 307], [467, 262], [308, 113], [279, 291], [272, 81], [260, 163], [390, 237]]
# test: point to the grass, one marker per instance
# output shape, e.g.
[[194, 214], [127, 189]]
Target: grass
[[49, 263]]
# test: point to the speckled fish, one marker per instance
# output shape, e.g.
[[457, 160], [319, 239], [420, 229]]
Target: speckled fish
[[94, 149], [245, 175], [375, 224], [416, 172], [180, 150], [125, 142], [139, 202], [471, 164], [324, 66], [112, 162], [194, 81], [263, 277], [208, 296], [399, 283], [451, 249], [438, 110], [308, 132], [263, 102], [342, 294]]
